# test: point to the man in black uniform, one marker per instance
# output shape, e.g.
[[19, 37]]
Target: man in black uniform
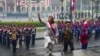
[[4, 37], [20, 35], [1, 35], [33, 32], [8, 38], [27, 34]]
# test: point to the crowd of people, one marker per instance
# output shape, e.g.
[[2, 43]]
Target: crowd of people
[[16, 34], [92, 27], [81, 31], [65, 32], [61, 32]]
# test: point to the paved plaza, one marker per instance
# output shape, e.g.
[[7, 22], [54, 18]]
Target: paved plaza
[[39, 50]]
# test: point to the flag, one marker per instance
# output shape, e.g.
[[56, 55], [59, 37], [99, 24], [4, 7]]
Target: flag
[[23, 2], [47, 2], [85, 25], [5, 5], [16, 2], [72, 8], [73, 5]]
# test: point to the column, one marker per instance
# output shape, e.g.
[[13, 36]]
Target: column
[[51, 8], [81, 7], [60, 9], [40, 5], [26, 6], [5, 7], [35, 8], [30, 10], [15, 9], [55, 9], [8, 9], [92, 5]]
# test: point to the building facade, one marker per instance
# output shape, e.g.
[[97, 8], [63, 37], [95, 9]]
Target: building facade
[[16, 6], [22, 5]]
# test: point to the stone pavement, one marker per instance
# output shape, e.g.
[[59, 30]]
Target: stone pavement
[[88, 52], [39, 50]]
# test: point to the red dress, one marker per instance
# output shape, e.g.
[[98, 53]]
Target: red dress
[[84, 38]]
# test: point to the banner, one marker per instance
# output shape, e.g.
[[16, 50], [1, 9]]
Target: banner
[[73, 5]]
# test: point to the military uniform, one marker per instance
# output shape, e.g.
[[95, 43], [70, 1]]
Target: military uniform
[[14, 40], [67, 39]]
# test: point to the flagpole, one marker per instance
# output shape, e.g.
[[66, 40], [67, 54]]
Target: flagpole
[[62, 9], [70, 10], [92, 8], [81, 7], [5, 6]]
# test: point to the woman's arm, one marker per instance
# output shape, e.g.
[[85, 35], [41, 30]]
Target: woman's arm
[[40, 19]]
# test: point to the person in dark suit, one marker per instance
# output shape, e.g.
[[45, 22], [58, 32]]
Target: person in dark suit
[[27, 34], [67, 38], [8, 37], [1, 35], [33, 32], [20, 35]]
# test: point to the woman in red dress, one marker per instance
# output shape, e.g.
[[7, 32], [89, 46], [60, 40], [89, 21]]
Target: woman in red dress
[[84, 39]]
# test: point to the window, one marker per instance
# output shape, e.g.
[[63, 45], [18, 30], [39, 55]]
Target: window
[[48, 8], [18, 8], [11, 9], [53, 8], [37, 1], [42, 0], [58, 9], [33, 8], [38, 8], [43, 8], [33, 0], [1, 9], [23, 9]]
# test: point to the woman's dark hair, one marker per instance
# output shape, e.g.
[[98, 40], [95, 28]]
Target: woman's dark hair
[[52, 18]]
